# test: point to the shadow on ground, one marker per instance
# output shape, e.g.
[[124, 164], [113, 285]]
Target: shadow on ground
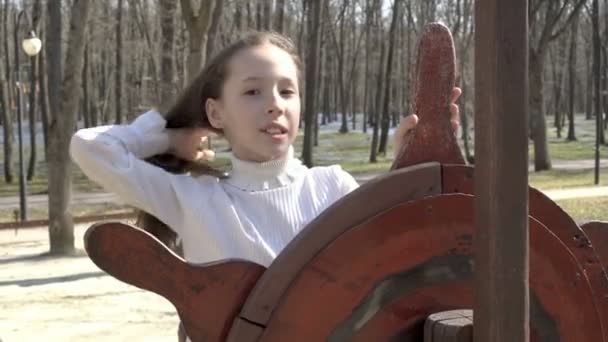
[[51, 280]]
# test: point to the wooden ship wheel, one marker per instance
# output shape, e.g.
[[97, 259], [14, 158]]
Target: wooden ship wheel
[[377, 263]]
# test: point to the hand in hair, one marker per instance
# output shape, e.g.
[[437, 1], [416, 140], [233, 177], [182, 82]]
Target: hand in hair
[[409, 122], [189, 143]]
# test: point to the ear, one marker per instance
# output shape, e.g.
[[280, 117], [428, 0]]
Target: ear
[[212, 108]]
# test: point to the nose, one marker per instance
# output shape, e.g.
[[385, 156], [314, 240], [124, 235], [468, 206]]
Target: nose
[[276, 104]]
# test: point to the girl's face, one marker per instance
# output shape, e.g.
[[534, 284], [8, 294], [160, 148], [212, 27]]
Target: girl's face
[[259, 110]]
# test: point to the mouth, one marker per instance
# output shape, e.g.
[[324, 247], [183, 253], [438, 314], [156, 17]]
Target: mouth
[[274, 130]]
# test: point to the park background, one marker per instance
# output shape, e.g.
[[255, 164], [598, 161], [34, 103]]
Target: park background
[[105, 62]]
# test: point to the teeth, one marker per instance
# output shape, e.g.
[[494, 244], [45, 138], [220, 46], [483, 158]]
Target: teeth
[[274, 131]]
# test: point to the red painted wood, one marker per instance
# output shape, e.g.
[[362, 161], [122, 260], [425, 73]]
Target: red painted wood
[[207, 296], [598, 234], [433, 138], [371, 198], [459, 179], [354, 269]]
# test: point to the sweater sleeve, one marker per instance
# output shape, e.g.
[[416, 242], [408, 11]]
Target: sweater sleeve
[[346, 182], [112, 157]]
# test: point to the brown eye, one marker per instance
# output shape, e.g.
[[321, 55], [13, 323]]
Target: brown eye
[[252, 92]]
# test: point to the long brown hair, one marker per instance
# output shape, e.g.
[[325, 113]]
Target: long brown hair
[[189, 111]]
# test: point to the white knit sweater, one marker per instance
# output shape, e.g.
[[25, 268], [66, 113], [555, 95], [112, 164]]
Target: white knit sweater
[[251, 215]]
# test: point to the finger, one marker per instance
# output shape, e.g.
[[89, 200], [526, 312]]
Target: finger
[[455, 117], [201, 132], [455, 125], [208, 155], [200, 155], [407, 124], [454, 112], [456, 92]]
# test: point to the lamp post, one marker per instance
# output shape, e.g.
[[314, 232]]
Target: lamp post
[[31, 46]]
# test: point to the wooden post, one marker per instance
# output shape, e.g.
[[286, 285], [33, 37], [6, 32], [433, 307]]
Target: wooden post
[[449, 326], [501, 171]]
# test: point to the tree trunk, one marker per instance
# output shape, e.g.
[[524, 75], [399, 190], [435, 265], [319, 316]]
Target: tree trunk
[[301, 28], [464, 118], [213, 30], [197, 24], [548, 21], [603, 92], [571, 79], [368, 54], [558, 75], [408, 58], [118, 75], [314, 24], [86, 114], [167, 68], [589, 78], [352, 75], [61, 226], [53, 50], [379, 93], [596, 85], [8, 133], [387, 86], [5, 97], [249, 15], [327, 84], [319, 90], [44, 101], [31, 169], [267, 14], [238, 19], [542, 160], [341, 50], [279, 19], [258, 15]]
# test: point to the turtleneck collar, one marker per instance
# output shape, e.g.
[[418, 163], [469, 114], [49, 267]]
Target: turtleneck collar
[[254, 176]]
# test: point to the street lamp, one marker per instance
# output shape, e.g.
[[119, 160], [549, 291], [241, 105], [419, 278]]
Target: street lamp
[[31, 46]]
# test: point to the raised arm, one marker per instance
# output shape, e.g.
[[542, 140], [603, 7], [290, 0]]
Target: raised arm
[[113, 157]]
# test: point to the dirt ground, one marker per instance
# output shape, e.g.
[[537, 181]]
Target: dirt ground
[[70, 299]]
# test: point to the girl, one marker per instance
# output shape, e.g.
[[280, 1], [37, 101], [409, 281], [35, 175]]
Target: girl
[[250, 93]]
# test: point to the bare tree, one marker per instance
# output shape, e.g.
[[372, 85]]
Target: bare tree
[[118, 74], [214, 28], [572, 77], [33, 74], [167, 37], [53, 49], [368, 54], [463, 33], [5, 96], [267, 8], [379, 38], [8, 138], [596, 83], [340, 48], [310, 114], [43, 99], [548, 19], [197, 23], [387, 86], [557, 56], [62, 123], [280, 16]]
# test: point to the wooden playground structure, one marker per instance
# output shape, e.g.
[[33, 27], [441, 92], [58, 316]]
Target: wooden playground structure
[[389, 261]]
